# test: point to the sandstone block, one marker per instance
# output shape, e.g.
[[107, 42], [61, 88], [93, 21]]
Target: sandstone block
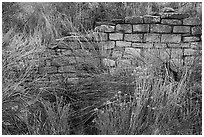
[[160, 45], [124, 28], [171, 38], [106, 53], [152, 37], [174, 16], [115, 36], [131, 52], [65, 69], [107, 45], [99, 36], [160, 28], [142, 45], [123, 44], [181, 29], [134, 19], [192, 21], [72, 80], [104, 28], [133, 37], [69, 75], [196, 45], [141, 28], [110, 29], [180, 45], [191, 39], [117, 54], [151, 19], [70, 45], [171, 22], [109, 62], [116, 21], [189, 51], [60, 61], [196, 30]]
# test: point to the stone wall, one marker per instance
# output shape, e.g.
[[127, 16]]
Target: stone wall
[[173, 36]]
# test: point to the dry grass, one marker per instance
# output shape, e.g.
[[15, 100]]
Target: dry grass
[[131, 101]]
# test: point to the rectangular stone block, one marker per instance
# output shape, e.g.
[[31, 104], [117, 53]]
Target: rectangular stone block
[[151, 19], [109, 62], [142, 45], [177, 53], [99, 36], [171, 38], [131, 52], [60, 61], [174, 16], [180, 45], [181, 29], [192, 21], [117, 21], [70, 45], [160, 45], [72, 80], [69, 75], [106, 53], [171, 22], [65, 69], [116, 36], [160, 28], [152, 37], [196, 45], [134, 19], [191, 39], [104, 28], [117, 54], [141, 28], [124, 28], [107, 45], [189, 52], [110, 29], [123, 44], [133, 37], [196, 30]]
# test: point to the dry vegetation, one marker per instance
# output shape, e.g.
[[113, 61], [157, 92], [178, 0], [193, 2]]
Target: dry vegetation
[[135, 100]]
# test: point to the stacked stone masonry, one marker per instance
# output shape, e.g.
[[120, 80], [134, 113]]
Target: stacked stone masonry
[[176, 37]]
